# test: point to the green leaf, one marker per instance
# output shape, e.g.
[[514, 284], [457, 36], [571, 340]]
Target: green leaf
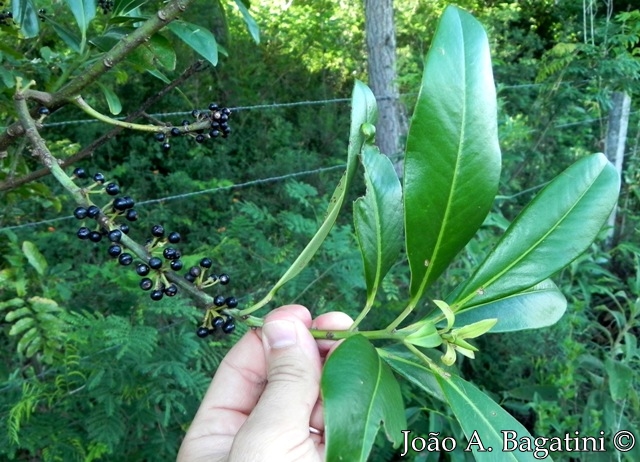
[[452, 163], [553, 230], [378, 218], [122, 7], [483, 421], [252, 26], [404, 363], [162, 51], [423, 334], [539, 306], [34, 257], [197, 37], [67, 36], [115, 106], [83, 11], [620, 378], [25, 14], [359, 392], [363, 110]]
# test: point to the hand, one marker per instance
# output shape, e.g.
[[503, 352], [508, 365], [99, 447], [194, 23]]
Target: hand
[[263, 403]]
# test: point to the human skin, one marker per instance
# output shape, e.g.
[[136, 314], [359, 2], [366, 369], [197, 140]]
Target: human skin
[[263, 403]]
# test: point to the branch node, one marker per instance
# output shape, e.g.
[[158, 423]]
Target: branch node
[[108, 63], [162, 15]]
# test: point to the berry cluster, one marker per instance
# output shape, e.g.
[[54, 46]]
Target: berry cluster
[[6, 17], [106, 6], [218, 126], [163, 255]]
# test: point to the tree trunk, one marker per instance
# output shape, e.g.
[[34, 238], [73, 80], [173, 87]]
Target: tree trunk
[[381, 47], [614, 149]]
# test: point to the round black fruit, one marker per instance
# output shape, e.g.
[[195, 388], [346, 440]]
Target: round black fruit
[[202, 332]]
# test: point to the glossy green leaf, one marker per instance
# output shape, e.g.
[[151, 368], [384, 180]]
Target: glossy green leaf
[[122, 7], [406, 364], [199, 38], [26, 16], [83, 12], [378, 218], [115, 106], [68, 37], [363, 110], [620, 378], [540, 306], [423, 334], [163, 52], [553, 230], [252, 26], [484, 421], [452, 163], [34, 257], [359, 392]]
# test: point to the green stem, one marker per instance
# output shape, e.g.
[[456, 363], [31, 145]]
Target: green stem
[[406, 312], [364, 312]]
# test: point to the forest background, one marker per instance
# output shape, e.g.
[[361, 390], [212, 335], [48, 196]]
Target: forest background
[[115, 376]]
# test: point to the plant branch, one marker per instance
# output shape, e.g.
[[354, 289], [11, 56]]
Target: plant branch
[[81, 197], [13, 183], [110, 59]]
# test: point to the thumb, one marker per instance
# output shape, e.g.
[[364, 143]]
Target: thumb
[[293, 377]]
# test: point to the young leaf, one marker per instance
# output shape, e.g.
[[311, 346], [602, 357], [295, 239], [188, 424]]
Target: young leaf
[[34, 257], [122, 7], [252, 26], [24, 13], [115, 106], [539, 306], [197, 37], [83, 11], [378, 218], [359, 392], [484, 421], [363, 110], [553, 230], [452, 163]]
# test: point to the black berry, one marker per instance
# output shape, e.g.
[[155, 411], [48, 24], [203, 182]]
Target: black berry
[[98, 178], [155, 263], [114, 250], [219, 300], [189, 278], [112, 189], [115, 235], [83, 233], [157, 231], [142, 269], [224, 279], [206, 263], [159, 136], [43, 111], [93, 211], [202, 332], [80, 213], [166, 146], [174, 237], [199, 138], [125, 259], [214, 133], [80, 172], [231, 302], [131, 215], [195, 113], [171, 290], [146, 284], [176, 265], [157, 294], [124, 228], [195, 271], [170, 253], [95, 236], [218, 322], [228, 326], [213, 106], [175, 131]]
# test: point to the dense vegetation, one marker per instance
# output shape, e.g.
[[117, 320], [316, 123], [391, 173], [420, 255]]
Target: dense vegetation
[[110, 375]]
